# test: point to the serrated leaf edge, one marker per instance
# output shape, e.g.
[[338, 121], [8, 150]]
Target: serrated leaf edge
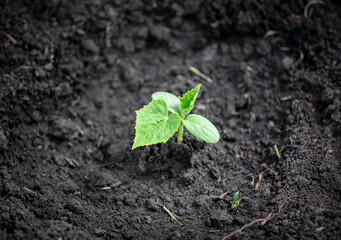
[[148, 144], [192, 101]]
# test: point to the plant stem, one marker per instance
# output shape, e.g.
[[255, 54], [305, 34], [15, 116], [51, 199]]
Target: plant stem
[[180, 132]]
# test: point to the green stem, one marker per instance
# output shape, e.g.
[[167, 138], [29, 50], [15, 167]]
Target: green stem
[[180, 132]]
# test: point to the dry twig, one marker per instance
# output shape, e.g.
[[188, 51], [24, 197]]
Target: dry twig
[[11, 38], [262, 220], [33, 193], [221, 196], [260, 176]]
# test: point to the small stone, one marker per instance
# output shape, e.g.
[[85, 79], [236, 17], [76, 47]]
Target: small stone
[[160, 32], [240, 220], [231, 107], [3, 140], [148, 219], [64, 89], [287, 62], [209, 52], [318, 230], [202, 201], [100, 232], [229, 135], [90, 46], [36, 116], [143, 32], [190, 176], [110, 58], [232, 123], [247, 49], [40, 73], [62, 129], [175, 236], [152, 205], [130, 199], [327, 95], [179, 11], [51, 4], [74, 206], [224, 48], [111, 12], [221, 218], [48, 66], [175, 22], [271, 125], [68, 186], [127, 44], [290, 119], [140, 44], [115, 151]]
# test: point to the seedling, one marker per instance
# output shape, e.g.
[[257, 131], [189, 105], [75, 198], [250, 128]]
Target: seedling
[[270, 33], [173, 216], [200, 74], [235, 202], [276, 148], [154, 125], [252, 181]]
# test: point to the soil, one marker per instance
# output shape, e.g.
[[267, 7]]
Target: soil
[[74, 72]]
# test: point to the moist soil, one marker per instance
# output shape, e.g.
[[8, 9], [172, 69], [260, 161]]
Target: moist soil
[[73, 73]]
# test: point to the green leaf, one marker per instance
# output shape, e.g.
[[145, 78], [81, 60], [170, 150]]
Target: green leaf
[[153, 125], [173, 103], [236, 196], [202, 128], [188, 99]]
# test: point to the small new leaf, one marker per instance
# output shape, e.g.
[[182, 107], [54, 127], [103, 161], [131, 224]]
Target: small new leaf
[[187, 101], [153, 125], [172, 101], [236, 196], [235, 202]]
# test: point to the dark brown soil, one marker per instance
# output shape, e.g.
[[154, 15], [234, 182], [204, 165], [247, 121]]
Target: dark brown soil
[[73, 73]]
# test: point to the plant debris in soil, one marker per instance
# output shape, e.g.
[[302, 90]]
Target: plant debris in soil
[[74, 72]]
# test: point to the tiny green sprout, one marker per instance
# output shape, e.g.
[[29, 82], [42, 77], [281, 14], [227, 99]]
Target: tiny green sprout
[[200, 74], [154, 125], [221, 200], [173, 216], [279, 156], [252, 181], [235, 202], [270, 33]]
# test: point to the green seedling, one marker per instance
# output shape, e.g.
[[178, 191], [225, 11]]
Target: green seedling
[[279, 156], [200, 74], [287, 49], [173, 216], [154, 125], [309, 4], [235, 202], [252, 181], [270, 33]]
